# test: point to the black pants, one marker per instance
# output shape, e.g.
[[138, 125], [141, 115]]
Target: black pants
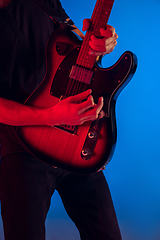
[[27, 185]]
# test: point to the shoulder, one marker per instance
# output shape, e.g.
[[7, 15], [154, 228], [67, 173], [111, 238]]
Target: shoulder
[[4, 3], [57, 7]]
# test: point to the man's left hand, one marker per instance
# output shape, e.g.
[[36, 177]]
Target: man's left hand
[[104, 45]]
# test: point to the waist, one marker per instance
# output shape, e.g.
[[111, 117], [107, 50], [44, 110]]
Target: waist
[[8, 144]]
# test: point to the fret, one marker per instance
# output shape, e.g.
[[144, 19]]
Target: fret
[[103, 11], [108, 1], [102, 14], [100, 24], [87, 61], [102, 5], [99, 20], [107, 6], [84, 59]]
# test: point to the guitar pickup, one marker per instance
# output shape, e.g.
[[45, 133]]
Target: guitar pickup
[[81, 74], [68, 128]]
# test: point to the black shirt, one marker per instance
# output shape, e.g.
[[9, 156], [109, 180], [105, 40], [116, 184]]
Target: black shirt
[[17, 79]]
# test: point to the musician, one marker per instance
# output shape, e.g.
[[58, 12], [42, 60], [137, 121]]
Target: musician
[[27, 183]]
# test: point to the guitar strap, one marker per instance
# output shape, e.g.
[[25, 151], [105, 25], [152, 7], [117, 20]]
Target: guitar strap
[[54, 15]]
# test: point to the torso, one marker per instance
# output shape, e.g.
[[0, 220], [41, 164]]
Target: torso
[[19, 81], [4, 3]]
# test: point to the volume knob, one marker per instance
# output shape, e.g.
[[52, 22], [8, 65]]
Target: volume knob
[[86, 152], [92, 135]]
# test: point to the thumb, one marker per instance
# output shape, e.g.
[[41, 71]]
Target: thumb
[[79, 97], [86, 24]]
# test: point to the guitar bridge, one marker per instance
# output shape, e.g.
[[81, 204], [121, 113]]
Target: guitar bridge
[[68, 128], [81, 74]]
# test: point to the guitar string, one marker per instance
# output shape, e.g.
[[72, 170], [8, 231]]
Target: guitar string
[[82, 62], [74, 86], [95, 17], [69, 87]]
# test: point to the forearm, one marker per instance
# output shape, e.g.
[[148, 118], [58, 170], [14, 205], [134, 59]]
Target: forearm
[[16, 114], [74, 110]]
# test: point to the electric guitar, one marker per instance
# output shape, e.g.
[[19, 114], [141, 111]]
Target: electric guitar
[[71, 70]]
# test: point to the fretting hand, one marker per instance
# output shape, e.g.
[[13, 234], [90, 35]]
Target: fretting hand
[[76, 110], [104, 45]]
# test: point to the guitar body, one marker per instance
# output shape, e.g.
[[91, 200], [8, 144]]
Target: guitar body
[[59, 147]]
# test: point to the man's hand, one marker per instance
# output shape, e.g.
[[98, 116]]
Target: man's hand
[[75, 110], [104, 45]]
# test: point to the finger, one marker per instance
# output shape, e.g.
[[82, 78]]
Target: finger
[[86, 24], [79, 97], [92, 114], [89, 103], [108, 32], [101, 114], [101, 49], [101, 42], [99, 105]]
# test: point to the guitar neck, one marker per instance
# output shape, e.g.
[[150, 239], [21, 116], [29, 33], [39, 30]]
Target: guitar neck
[[99, 20]]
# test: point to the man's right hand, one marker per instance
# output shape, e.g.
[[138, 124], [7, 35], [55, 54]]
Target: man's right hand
[[75, 110]]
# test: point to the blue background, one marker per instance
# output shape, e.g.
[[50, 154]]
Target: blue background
[[133, 173]]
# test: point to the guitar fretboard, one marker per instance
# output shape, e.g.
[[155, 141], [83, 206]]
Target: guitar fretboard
[[99, 20]]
